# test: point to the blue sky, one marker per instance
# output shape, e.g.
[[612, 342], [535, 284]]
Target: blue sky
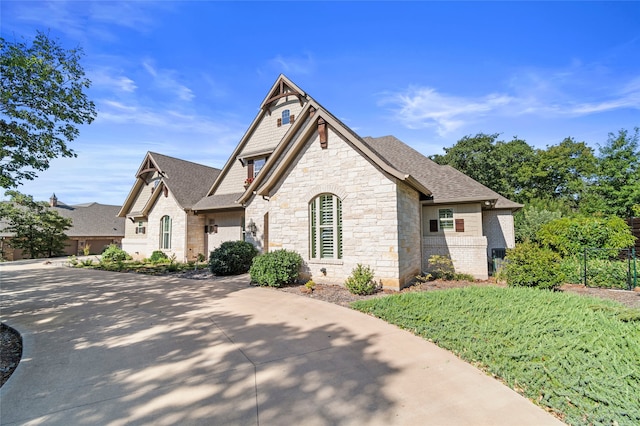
[[186, 78]]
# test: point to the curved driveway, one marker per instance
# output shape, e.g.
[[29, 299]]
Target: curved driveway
[[112, 348]]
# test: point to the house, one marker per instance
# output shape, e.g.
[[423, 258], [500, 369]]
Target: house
[[93, 225], [300, 179]]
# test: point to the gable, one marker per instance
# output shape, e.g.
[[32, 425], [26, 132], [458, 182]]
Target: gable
[[188, 182], [264, 134]]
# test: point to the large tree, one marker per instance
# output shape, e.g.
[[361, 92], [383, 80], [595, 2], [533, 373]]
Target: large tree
[[502, 166], [562, 172], [37, 229], [42, 103], [616, 189]]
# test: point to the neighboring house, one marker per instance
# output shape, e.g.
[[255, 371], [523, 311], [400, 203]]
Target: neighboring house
[[93, 224], [300, 179]]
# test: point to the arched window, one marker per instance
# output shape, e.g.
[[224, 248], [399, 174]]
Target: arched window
[[285, 117], [165, 232], [325, 227]]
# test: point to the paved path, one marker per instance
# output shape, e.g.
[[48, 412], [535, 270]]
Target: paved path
[[109, 348]]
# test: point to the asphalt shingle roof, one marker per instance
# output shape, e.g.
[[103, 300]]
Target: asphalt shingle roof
[[187, 181], [93, 219], [222, 201], [446, 184]]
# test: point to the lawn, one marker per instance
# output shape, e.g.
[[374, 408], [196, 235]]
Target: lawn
[[577, 356]]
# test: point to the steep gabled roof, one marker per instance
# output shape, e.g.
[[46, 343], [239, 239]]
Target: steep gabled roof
[[289, 148], [187, 181], [280, 87], [447, 184]]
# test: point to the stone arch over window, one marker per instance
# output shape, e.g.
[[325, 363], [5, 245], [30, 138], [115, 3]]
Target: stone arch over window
[[165, 232], [325, 227]]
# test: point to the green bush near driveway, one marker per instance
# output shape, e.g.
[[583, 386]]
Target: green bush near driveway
[[361, 281], [575, 355], [276, 268], [232, 258]]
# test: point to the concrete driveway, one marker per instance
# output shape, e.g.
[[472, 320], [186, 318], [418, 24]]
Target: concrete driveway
[[110, 348]]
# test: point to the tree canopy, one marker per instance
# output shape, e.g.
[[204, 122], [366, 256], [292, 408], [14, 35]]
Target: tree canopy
[[42, 103], [37, 229], [568, 176]]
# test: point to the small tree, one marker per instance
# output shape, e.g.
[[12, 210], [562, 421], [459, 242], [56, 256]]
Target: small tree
[[37, 229]]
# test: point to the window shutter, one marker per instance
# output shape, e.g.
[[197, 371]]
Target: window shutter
[[137, 230], [250, 169], [292, 119], [144, 230], [433, 225], [459, 225], [279, 122]]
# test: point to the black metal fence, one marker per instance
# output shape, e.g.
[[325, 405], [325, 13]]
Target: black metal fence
[[615, 268]]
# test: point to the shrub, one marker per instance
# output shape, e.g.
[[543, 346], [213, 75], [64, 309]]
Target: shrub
[[530, 219], [87, 249], [441, 267], [113, 253], [361, 281], [604, 273], [571, 235], [158, 256], [232, 258], [276, 268], [529, 265]]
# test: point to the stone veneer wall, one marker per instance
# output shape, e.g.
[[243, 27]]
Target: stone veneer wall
[[409, 234], [195, 236], [167, 206], [369, 215]]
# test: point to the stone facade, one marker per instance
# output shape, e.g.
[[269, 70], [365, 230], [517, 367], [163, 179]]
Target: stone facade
[[369, 213]]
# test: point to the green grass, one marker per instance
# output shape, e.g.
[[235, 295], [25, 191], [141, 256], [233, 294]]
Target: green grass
[[576, 355]]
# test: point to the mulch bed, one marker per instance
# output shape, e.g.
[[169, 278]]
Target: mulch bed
[[10, 352], [11, 343]]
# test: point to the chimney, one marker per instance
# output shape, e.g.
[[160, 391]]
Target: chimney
[[53, 201]]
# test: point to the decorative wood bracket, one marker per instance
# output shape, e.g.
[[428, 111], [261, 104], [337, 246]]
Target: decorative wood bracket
[[322, 132], [283, 91]]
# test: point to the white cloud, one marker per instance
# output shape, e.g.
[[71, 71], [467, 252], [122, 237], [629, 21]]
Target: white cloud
[[111, 80], [425, 107], [167, 80], [529, 94], [293, 65]]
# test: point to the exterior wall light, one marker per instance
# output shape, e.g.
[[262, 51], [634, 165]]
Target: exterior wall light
[[252, 227]]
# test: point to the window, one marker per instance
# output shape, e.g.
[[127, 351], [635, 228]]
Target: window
[[257, 166], [446, 219], [165, 232], [140, 229], [285, 116], [325, 223]]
